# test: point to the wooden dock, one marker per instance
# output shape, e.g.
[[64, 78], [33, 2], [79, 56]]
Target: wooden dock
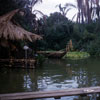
[[50, 94], [52, 54], [19, 63]]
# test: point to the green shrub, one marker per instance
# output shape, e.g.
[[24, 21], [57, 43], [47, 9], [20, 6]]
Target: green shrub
[[40, 59], [94, 48], [76, 55]]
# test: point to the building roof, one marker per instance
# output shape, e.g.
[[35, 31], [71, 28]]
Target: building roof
[[8, 30]]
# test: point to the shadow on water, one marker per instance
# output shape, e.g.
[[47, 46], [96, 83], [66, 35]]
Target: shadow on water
[[54, 75]]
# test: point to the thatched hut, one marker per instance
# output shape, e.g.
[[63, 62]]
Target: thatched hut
[[13, 32], [8, 30]]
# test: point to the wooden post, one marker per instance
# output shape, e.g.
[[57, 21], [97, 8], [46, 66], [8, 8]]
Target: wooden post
[[52, 94]]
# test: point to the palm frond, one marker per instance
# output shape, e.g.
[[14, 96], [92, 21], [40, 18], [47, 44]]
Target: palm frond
[[67, 11], [74, 17], [38, 12], [70, 5], [33, 2]]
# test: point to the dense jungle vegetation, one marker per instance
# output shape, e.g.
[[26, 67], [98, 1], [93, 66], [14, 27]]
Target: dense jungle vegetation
[[57, 29]]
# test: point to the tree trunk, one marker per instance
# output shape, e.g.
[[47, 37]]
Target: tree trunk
[[88, 11]]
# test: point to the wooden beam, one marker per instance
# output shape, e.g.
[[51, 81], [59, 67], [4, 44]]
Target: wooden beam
[[49, 94]]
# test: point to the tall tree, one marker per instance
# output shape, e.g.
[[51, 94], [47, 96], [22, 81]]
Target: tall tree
[[8, 5], [88, 10]]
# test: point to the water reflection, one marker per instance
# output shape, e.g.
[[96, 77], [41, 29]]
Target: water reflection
[[53, 75]]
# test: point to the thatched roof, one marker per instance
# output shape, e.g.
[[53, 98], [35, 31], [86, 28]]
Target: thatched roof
[[9, 30]]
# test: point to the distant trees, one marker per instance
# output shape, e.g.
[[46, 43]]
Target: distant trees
[[56, 31]]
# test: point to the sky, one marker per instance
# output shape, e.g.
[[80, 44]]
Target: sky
[[49, 6]]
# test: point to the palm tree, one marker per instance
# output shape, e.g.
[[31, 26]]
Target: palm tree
[[91, 9], [97, 8], [64, 10], [79, 6], [9, 5], [68, 6], [87, 10]]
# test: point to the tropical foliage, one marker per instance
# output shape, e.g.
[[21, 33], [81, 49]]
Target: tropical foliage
[[57, 29], [56, 32]]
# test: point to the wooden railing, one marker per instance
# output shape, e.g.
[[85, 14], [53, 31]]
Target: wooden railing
[[50, 94]]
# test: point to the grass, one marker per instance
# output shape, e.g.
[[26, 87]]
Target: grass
[[76, 55]]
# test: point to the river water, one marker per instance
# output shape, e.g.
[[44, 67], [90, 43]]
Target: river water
[[55, 74]]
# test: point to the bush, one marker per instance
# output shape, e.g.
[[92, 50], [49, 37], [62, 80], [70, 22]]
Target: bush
[[40, 59], [94, 48], [76, 55]]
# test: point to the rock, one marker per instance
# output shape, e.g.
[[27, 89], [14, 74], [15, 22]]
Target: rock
[[68, 65]]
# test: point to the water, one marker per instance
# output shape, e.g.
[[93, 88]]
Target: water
[[53, 75]]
